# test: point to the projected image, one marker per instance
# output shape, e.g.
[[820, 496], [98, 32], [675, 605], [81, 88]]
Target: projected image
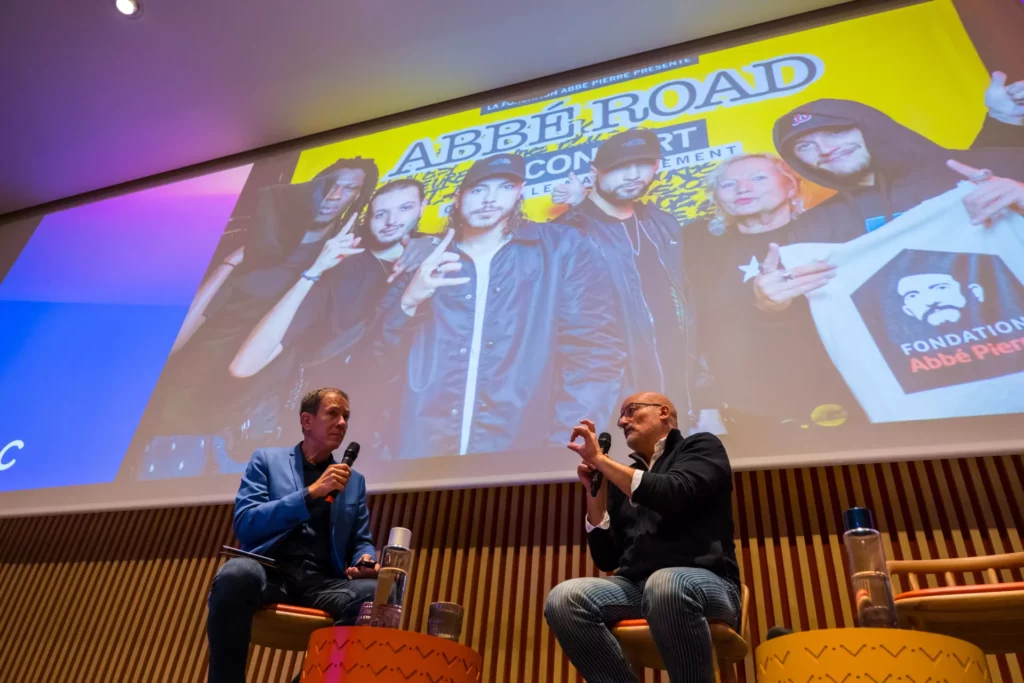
[[804, 250], [508, 278]]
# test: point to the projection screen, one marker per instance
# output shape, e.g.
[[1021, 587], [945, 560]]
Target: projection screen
[[779, 245]]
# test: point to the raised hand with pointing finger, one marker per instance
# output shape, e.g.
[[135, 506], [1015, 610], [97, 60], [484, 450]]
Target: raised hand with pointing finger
[[776, 287], [992, 196], [432, 274], [335, 250]]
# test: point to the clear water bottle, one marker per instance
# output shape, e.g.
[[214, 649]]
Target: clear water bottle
[[389, 597], [396, 553], [872, 589]]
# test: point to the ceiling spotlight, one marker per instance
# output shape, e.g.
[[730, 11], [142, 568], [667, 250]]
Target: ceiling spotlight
[[129, 8]]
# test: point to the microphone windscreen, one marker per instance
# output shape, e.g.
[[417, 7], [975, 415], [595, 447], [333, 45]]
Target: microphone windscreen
[[778, 632], [351, 453], [605, 442]]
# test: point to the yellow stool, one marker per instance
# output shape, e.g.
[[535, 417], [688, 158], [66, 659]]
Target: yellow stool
[[869, 654]]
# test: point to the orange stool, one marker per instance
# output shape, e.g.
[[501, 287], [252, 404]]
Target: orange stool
[[989, 615], [287, 627], [366, 654], [634, 635]]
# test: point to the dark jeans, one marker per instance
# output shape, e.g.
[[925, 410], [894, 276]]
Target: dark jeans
[[242, 585]]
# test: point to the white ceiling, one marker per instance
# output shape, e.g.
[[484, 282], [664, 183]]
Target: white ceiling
[[93, 99]]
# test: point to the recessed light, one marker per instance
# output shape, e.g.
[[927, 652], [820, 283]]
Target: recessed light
[[129, 8]]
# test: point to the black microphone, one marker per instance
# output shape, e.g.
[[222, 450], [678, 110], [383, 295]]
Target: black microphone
[[605, 442], [351, 453], [778, 632]]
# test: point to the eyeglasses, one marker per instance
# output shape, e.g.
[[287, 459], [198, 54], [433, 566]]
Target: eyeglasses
[[629, 410]]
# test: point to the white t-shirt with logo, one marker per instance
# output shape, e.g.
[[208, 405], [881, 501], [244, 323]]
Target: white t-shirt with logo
[[925, 317]]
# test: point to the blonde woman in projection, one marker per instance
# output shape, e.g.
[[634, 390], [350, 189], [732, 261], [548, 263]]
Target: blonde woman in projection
[[768, 373]]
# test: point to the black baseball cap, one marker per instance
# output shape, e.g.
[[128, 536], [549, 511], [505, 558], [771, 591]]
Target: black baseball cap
[[505, 165], [637, 144], [797, 123]]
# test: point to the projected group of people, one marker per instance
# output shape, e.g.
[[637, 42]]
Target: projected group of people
[[500, 333]]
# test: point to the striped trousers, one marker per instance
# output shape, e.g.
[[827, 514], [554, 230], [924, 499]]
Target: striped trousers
[[677, 604]]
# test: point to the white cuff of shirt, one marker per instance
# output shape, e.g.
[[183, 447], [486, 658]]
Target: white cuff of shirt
[[638, 476], [605, 523]]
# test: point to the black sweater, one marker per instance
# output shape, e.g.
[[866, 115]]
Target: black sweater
[[680, 515]]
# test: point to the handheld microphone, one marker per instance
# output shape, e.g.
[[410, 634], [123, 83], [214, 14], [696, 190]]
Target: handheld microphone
[[605, 442], [351, 453]]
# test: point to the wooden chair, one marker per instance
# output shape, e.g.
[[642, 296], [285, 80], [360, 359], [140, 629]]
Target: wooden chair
[[730, 647], [990, 615], [284, 627], [287, 627]]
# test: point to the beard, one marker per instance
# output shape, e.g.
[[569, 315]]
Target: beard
[[854, 166], [485, 221], [937, 315], [384, 244], [387, 241], [624, 193]]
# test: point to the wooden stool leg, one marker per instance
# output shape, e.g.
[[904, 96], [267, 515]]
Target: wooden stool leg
[[726, 671]]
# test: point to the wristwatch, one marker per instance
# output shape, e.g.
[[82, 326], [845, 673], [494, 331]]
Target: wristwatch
[[311, 278]]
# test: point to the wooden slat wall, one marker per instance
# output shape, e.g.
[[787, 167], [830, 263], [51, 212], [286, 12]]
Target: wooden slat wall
[[120, 596]]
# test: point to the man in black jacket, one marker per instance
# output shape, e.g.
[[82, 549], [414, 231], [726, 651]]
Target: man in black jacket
[[664, 525], [643, 247], [511, 337]]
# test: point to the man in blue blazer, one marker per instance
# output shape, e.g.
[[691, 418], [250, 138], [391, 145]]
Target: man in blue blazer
[[282, 511]]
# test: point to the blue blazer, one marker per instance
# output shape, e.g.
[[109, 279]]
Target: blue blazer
[[271, 501]]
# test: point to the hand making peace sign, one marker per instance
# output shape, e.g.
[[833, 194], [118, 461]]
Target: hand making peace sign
[[432, 274]]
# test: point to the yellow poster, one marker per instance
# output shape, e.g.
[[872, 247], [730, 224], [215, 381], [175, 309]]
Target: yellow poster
[[916, 64]]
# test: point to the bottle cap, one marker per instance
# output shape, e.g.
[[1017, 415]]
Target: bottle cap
[[858, 518], [400, 536]]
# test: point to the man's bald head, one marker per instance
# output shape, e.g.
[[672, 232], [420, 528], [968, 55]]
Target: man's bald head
[[652, 397], [646, 418]]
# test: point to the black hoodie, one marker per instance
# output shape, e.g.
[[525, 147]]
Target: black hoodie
[[909, 168]]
